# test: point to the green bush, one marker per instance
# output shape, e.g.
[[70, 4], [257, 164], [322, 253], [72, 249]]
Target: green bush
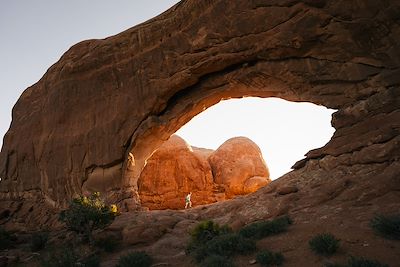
[[269, 258], [6, 239], [210, 239], [361, 262], [216, 261], [108, 244], [39, 240], [324, 244], [207, 230], [387, 226], [230, 244], [224, 245], [86, 214], [136, 258], [204, 232], [263, 229]]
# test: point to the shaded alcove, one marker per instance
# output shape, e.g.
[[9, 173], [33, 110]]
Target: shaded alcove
[[153, 139]]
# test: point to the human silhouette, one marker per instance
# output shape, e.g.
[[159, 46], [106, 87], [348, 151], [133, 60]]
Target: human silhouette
[[188, 200]]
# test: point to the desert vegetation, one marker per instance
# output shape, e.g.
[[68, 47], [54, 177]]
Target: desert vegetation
[[270, 258], [86, 214], [387, 226], [324, 244], [214, 245], [259, 230], [83, 216]]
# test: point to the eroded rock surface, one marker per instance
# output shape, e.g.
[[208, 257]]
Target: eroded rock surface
[[105, 99], [239, 165], [171, 173], [128, 93], [175, 169]]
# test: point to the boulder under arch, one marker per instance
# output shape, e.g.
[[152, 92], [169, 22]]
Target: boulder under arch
[[129, 92]]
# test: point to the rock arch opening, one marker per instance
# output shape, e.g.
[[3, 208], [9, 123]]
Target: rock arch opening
[[218, 171]]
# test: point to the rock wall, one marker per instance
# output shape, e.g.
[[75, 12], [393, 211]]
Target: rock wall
[[171, 173], [175, 169], [128, 93]]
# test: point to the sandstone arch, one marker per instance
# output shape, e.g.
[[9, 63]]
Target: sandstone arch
[[129, 92]]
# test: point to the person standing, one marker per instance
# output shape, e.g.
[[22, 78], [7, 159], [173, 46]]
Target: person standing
[[188, 201]]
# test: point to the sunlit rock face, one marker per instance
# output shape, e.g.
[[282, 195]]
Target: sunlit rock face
[[175, 169], [238, 165]]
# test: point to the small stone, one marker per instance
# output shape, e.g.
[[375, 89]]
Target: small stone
[[287, 190]]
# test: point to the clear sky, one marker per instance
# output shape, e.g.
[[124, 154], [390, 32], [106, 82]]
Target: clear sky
[[283, 130], [34, 35]]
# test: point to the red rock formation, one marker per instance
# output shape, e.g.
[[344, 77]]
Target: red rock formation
[[127, 93], [176, 169], [173, 171], [239, 166]]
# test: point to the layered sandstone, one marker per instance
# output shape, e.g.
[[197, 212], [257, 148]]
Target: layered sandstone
[[175, 169], [126, 94]]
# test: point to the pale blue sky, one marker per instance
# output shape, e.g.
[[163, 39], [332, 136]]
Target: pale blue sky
[[34, 35]]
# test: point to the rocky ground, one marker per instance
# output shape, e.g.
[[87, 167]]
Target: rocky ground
[[319, 202]]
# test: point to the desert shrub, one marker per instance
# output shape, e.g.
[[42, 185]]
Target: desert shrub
[[207, 230], [204, 232], [269, 258], [224, 245], [108, 244], [324, 244], [136, 258], [216, 261], [259, 230], [210, 239], [387, 226], [86, 214], [230, 244], [6, 239], [361, 262], [39, 240]]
